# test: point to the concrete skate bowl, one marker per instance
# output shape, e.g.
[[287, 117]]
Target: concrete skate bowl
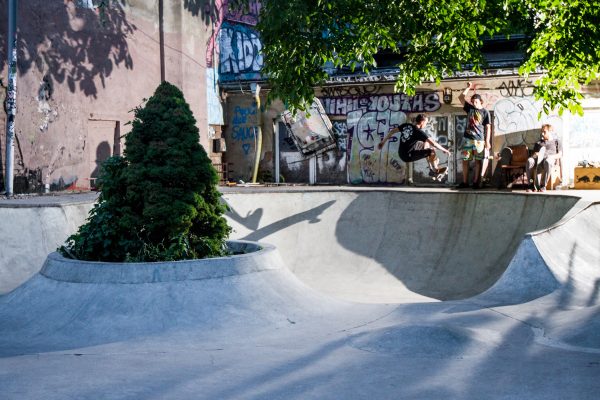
[[71, 303], [395, 246], [563, 260]]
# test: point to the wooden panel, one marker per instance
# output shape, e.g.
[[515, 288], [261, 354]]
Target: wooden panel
[[587, 178]]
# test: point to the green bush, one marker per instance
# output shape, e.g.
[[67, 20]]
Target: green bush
[[159, 202]]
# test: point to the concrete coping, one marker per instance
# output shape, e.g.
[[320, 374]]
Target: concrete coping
[[257, 257]]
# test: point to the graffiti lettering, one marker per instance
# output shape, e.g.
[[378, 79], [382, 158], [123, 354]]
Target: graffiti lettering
[[362, 79], [518, 88], [350, 91], [437, 128], [249, 16], [421, 102], [487, 72], [240, 115], [489, 99], [516, 122], [240, 56], [340, 131], [243, 131], [365, 131]]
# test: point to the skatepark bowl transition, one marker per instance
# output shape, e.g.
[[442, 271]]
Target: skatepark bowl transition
[[355, 293]]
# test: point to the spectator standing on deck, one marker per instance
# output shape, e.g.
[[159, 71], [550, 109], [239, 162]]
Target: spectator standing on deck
[[477, 136]]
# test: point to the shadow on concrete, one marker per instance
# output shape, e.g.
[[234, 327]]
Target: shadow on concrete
[[448, 246], [312, 216]]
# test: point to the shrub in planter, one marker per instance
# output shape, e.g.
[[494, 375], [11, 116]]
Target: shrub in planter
[[158, 202]]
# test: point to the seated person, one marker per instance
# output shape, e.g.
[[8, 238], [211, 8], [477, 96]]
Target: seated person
[[545, 152], [415, 144]]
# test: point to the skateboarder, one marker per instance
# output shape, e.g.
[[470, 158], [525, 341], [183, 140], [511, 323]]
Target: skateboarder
[[415, 144]]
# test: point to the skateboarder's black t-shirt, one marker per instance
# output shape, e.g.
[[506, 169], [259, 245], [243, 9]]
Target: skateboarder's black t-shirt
[[411, 139]]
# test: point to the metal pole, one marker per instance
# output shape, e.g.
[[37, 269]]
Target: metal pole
[[11, 95]]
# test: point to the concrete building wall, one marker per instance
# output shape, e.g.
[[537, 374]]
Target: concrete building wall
[[81, 70]]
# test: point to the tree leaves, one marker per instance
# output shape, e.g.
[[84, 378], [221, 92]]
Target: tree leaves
[[433, 38]]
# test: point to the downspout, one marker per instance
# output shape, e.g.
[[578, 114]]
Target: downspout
[[161, 40], [11, 96], [256, 89]]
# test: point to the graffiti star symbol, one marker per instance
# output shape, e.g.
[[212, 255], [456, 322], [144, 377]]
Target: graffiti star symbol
[[369, 132]]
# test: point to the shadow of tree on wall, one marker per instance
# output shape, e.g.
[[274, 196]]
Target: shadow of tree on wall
[[204, 8], [70, 41]]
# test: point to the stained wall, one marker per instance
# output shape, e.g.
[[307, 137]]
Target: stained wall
[[82, 69]]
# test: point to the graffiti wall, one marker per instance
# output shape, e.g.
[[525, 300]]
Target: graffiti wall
[[367, 121], [240, 135], [331, 166], [240, 56], [293, 167]]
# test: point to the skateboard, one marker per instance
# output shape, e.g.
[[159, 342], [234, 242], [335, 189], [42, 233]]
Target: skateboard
[[440, 175]]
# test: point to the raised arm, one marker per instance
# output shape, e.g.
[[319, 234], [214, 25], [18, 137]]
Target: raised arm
[[463, 96], [438, 146]]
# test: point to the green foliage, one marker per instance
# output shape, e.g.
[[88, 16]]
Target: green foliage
[[160, 201], [434, 37], [566, 46]]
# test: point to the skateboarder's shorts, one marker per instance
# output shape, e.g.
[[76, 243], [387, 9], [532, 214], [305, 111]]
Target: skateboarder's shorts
[[473, 149], [416, 152]]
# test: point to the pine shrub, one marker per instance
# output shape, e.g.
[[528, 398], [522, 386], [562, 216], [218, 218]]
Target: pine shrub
[[159, 202]]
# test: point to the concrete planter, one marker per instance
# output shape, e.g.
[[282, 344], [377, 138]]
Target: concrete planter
[[256, 257]]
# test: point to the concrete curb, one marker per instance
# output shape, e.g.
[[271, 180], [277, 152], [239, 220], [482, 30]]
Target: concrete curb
[[260, 257]]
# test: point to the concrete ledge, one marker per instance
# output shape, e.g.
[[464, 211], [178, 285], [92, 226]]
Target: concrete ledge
[[259, 257]]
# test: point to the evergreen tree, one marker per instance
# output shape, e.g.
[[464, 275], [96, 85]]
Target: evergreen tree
[[158, 202]]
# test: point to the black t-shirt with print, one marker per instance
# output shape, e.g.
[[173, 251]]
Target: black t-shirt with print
[[411, 138], [477, 119]]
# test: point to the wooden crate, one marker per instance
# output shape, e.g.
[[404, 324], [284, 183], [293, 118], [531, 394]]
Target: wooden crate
[[587, 178]]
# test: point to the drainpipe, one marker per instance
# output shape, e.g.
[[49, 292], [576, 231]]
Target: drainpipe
[[11, 96], [161, 39], [256, 89]]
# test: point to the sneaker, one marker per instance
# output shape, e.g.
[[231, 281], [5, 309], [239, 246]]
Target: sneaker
[[476, 185], [462, 185], [435, 172], [542, 189]]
